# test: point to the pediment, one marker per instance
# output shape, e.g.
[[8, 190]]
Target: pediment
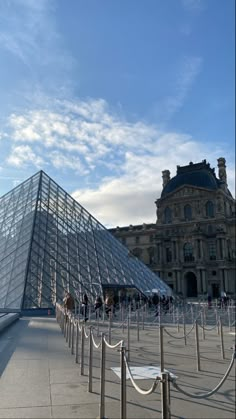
[[188, 191]]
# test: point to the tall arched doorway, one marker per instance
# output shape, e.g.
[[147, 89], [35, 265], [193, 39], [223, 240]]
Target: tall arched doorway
[[191, 284]]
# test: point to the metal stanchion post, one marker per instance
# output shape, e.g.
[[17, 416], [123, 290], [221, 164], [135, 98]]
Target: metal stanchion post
[[204, 315], [138, 325], [109, 328], [159, 309], [122, 383], [197, 346], [90, 372], [98, 315], [102, 379], [217, 323], [72, 337], [177, 319], [222, 339], [123, 325], [192, 314], [67, 327], [203, 331], [229, 317], [77, 343], [128, 337], [165, 395], [69, 338], [142, 317], [89, 313], [63, 322], [161, 344], [184, 325], [82, 352]]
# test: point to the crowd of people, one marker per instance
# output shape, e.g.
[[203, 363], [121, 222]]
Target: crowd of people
[[69, 305], [110, 304]]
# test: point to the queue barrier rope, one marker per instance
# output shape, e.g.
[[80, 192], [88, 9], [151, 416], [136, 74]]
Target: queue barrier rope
[[179, 337], [96, 345], [164, 379], [137, 388], [208, 329], [112, 346], [210, 393]]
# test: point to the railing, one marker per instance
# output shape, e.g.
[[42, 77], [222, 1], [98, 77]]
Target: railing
[[76, 333]]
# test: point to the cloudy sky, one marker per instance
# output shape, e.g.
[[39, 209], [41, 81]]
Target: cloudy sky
[[103, 95]]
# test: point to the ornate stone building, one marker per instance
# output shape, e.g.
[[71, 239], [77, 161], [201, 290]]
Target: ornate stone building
[[192, 244]]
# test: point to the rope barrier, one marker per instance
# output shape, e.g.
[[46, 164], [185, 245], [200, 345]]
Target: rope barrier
[[207, 329], [112, 346], [178, 337], [85, 334], [210, 393], [137, 388], [94, 343]]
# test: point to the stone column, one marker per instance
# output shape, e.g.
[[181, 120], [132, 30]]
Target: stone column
[[179, 283], [226, 280], [218, 252], [204, 281], [177, 250], [222, 282], [223, 248], [199, 290]]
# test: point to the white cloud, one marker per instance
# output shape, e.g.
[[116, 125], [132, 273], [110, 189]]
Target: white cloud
[[28, 31], [129, 198], [125, 159], [22, 156], [186, 76], [62, 161]]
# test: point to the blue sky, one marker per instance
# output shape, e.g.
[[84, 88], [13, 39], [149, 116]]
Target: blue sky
[[103, 95]]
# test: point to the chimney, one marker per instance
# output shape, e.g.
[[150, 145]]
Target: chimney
[[222, 169], [165, 177]]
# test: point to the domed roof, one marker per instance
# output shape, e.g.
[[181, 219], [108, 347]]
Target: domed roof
[[199, 175]]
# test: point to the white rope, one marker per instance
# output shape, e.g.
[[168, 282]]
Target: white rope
[[85, 334], [112, 346], [94, 343], [210, 393], [137, 388]]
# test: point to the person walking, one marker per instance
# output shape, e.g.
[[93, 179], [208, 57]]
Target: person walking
[[85, 306], [97, 306]]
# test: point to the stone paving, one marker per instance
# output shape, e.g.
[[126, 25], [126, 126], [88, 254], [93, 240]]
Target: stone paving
[[40, 379]]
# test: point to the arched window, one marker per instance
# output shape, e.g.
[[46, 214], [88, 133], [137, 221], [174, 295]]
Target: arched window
[[209, 209], [168, 215], [188, 252], [188, 212]]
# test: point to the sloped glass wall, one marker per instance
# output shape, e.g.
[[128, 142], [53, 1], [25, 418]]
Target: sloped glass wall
[[50, 244]]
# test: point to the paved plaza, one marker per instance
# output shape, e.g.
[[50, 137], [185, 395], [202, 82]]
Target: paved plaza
[[40, 379]]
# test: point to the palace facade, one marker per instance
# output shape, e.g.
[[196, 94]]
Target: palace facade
[[192, 244]]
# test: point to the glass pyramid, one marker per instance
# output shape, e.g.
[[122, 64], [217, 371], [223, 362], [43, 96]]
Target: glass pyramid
[[49, 243]]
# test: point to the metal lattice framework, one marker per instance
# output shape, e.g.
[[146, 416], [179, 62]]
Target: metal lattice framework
[[49, 243]]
